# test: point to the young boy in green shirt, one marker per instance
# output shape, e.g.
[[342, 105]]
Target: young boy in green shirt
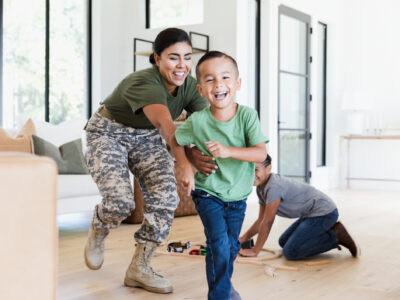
[[230, 133]]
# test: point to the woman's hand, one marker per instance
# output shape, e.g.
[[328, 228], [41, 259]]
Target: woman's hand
[[218, 150], [185, 177], [203, 163], [248, 253]]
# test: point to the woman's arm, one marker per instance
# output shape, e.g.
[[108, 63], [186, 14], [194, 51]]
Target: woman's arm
[[255, 154], [263, 229], [160, 117]]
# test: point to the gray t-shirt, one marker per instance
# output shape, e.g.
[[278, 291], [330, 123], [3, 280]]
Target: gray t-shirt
[[297, 199]]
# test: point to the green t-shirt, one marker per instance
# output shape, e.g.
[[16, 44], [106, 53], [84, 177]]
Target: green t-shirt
[[146, 87], [233, 180]]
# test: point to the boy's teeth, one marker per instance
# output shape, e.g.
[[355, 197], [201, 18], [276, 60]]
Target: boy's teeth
[[180, 73], [220, 95]]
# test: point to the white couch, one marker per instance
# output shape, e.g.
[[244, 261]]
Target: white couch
[[75, 193]]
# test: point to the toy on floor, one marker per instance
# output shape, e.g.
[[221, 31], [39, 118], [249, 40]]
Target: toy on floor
[[270, 269], [177, 249], [178, 246]]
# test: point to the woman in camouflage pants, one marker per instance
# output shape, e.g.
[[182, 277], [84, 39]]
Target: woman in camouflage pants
[[113, 151], [127, 135]]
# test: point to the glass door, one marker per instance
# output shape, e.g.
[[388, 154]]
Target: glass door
[[294, 94]]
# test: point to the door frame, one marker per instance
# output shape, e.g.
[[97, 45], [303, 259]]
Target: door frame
[[292, 13]]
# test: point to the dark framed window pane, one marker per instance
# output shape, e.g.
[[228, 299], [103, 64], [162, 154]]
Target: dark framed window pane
[[293, 105], [173, 13], [68, 60], [292, 152], [24, 26], [293, 45]]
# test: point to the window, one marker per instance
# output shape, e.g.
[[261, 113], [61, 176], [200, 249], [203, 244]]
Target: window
[[172, 13], [321, 99], [45, 60]]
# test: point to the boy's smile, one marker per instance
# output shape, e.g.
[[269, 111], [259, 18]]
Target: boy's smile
[[220, 96], [261, 175], [219, 82]]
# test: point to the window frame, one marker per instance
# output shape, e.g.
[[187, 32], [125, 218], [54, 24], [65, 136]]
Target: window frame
[[323, 101], [258, 58], [302, 17]]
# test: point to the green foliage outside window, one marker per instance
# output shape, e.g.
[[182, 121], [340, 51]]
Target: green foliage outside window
[[24, 28]]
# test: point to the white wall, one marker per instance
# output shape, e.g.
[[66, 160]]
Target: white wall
[[245, 49], [372, 60], [116, 23]]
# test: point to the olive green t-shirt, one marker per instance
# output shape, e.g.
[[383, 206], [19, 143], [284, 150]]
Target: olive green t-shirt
[[146, 87], [233, 180]]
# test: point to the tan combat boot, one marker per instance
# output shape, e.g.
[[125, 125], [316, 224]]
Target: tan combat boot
[[94, 249], [140, 274]]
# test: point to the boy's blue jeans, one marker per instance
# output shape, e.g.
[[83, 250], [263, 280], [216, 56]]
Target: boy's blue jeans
[[309, 236], [222, 223]]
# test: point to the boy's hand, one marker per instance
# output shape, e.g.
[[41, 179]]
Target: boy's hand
[[248, 252], [217, 149]]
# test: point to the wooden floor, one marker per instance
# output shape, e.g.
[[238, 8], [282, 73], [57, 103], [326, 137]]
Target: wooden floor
[[372, 217]]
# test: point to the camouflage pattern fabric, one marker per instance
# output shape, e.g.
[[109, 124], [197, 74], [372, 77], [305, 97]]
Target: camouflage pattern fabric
[[112, 151]]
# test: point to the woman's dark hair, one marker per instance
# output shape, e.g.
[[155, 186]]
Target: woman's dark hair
[[215, 54], [267, 161], [166, 38]]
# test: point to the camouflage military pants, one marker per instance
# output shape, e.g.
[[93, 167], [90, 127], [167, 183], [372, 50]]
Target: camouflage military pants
[[112, 151]]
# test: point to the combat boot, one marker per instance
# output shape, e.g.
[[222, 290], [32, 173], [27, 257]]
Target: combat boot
[[94, 249], [140, 274], [345, 239]]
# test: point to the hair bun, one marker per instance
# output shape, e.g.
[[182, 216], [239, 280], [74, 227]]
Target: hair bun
[[151, 59]]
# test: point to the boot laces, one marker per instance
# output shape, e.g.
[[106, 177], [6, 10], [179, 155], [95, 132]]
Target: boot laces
[[154, 273], [99, 237]]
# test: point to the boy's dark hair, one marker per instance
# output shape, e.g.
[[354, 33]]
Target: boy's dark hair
[[267, 161], [166, 38], [215, 54]]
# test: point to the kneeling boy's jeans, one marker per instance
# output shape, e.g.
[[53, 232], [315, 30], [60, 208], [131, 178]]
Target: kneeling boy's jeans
[[309, 236], [222, 223]]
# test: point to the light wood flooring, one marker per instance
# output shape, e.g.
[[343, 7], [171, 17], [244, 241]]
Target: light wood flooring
[[372, 217]]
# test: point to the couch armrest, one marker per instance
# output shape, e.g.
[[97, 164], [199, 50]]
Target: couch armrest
[[28, 251]]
